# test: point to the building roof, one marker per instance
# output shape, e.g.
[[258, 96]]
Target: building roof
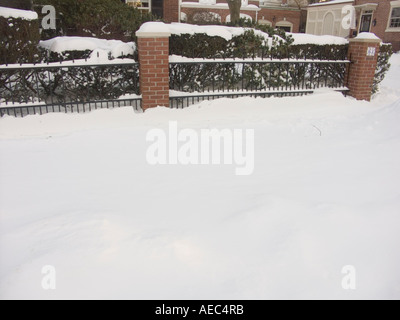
[[330, 3], [185, 4]]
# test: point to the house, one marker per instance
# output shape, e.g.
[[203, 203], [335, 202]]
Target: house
[[326, 18], [154, 6], [381, 17], [284, 14]]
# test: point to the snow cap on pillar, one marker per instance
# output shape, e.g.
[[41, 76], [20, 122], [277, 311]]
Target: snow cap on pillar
[[366, 37], [153, 30]]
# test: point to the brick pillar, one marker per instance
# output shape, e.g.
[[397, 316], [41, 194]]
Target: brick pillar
[[363, 53], [171, 10], [153, 48]]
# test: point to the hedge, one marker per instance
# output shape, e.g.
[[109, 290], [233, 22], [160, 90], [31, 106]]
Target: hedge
[[250, 45], [60, 85], [19, 40], [383, 65]]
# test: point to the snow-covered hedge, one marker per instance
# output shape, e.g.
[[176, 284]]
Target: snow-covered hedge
[[69, 82], [74, 48], [383, 66], [19, 36], [223, 42], [213, 42]]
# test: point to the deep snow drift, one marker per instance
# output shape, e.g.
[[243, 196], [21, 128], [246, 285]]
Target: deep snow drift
[[77, 193]]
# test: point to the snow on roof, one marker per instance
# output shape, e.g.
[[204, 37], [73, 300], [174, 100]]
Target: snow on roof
[[115, 47], [16, 13], [302, 38], [330, 3]]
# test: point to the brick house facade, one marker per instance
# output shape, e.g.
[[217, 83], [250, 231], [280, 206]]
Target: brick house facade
[[283, 14], [381, 17], [276, 13]]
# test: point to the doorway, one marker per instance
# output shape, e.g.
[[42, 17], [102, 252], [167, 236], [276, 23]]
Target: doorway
[[365, 23]]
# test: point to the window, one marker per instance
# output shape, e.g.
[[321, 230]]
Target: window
[[157, 8], [286, 29], [135, 3], [265, 22], [140, 4], [284, 25], [395, 18]]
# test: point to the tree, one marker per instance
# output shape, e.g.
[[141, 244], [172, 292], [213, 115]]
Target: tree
[[17, 4], [106, 19], [234, 8]]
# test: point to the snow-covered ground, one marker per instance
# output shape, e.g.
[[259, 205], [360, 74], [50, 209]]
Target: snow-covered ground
[[77, 193]]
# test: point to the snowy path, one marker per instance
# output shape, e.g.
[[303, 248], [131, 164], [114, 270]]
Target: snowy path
[[77, 193]]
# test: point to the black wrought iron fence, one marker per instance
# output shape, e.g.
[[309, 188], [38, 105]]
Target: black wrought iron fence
[[80, 87], [193, 81], [68, 87]]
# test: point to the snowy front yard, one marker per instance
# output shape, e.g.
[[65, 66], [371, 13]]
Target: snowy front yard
[[77, 193]]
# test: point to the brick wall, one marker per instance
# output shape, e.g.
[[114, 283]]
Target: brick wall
[[171, 11], [382, 14], [361, 72], [394, 39], [223, 13], [273, 15], [154, 71], [276, 16]]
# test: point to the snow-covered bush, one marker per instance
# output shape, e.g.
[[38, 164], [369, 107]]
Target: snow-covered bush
[[72, 83], [75, 48], [383, 66], [251, 44], [244, 45], [18, 40], [59, 85]]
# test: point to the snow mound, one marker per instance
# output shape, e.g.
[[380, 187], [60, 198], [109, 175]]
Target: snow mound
[[115, 48], [367, 36], [301, 38]]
